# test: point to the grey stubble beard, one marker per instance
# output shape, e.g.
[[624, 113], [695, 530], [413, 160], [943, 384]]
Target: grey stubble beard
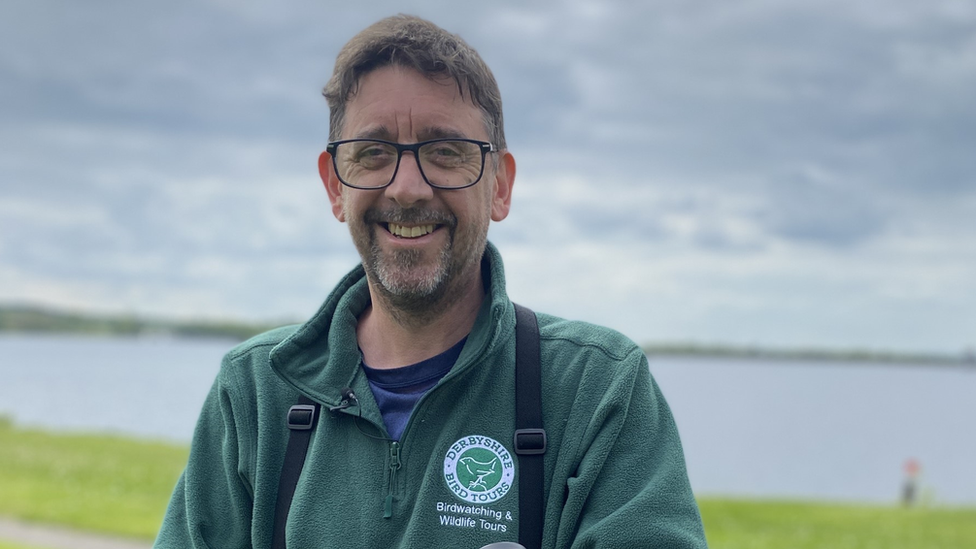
[[410, 301]]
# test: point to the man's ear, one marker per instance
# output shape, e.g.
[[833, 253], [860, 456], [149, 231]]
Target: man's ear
[[501, 198], [332, 185]]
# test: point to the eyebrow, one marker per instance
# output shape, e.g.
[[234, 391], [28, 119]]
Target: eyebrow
[[439, 132], [425, 134], [375, 132]]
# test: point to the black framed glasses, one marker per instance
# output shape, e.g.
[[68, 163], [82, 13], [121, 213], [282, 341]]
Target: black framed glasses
[[444, 163]]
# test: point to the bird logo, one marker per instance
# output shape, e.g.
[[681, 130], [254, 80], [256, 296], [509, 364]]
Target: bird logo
[[479, 470]]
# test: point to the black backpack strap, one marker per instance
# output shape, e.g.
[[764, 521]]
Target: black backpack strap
[[301, 421], [530, 437]]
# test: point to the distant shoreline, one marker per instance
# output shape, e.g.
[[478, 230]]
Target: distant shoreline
[[33, 319], [29, 319], [810, 354]]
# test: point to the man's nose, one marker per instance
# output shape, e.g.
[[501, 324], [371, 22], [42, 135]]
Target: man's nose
[[408, 187]]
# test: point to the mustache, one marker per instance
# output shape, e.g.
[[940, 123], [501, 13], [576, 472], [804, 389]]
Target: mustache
[[410, 216]]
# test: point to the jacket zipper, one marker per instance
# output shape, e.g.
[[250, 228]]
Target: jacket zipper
[[395, 448], [394, 467]]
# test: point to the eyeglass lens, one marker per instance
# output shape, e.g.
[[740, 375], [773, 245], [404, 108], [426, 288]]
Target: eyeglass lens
[[371, 164]]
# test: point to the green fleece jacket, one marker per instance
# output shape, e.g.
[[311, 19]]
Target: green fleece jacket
[[614, 471]]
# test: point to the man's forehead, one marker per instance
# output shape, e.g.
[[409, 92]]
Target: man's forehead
[[392, 77], [392, 102]]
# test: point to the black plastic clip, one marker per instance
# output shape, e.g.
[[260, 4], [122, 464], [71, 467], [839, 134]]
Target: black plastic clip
[[301, 417], [529, 442]]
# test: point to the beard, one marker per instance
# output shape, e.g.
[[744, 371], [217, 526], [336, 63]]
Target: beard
[[411, 281]]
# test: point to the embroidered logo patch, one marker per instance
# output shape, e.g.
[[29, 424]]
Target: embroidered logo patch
[[479, 469]]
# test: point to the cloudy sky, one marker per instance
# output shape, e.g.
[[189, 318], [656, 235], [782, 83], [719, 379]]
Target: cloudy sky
[[751, 172]]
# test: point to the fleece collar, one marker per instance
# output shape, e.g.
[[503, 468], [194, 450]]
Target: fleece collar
[[322, 356]]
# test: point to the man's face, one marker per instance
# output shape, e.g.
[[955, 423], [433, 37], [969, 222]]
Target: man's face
[[414, 266]]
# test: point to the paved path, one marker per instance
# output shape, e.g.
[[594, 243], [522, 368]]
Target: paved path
[[57, 537]]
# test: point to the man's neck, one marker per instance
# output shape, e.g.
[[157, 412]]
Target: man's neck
[[392, 338]]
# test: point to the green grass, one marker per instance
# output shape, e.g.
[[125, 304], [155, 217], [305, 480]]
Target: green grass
[[736, 524], [93, 482], [121, 486], [6, 545]]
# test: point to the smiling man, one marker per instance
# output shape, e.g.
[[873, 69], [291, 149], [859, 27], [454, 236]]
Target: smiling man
[[420, 224], [417, 357]]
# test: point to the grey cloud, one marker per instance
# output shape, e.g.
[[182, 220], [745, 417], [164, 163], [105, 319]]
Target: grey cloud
[[705, 88], [831, 213], [182, 135]]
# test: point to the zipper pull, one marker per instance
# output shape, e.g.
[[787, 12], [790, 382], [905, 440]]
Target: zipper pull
[[394, 467]]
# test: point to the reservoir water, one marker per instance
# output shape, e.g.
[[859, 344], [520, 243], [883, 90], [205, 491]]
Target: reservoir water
[[784, 429]]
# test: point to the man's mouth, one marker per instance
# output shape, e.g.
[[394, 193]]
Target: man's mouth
[[404, 231]]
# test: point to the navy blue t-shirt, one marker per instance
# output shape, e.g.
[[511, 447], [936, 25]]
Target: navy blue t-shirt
[[397, 390]]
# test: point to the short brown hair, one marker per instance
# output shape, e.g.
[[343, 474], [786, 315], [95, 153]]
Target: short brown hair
[[412, 42]]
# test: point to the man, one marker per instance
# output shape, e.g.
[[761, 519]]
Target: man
[[414, 353]]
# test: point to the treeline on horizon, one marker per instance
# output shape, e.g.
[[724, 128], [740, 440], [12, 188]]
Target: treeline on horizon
[[966, 358], [29, 319], [32, 319]]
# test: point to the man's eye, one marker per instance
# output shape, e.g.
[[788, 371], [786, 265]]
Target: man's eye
[[374, 156], [445, 155], [373, 152]]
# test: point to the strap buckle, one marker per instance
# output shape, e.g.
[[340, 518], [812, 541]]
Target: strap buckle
[[530, 442], [301, 417]]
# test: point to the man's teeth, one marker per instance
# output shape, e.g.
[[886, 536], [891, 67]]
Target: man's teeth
[[410, 232]]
